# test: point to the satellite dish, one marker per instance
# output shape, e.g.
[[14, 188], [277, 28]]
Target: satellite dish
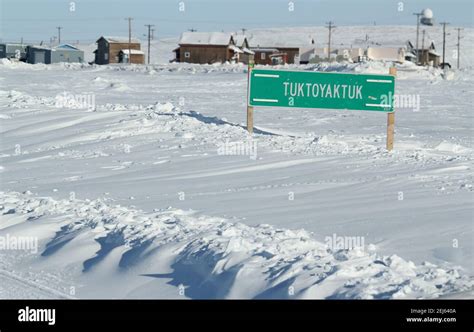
[[427, 17]]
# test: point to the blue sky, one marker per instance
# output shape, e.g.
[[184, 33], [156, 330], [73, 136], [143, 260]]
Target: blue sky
[[36, 20]]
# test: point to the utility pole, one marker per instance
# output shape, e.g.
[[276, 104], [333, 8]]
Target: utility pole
[[330, 26], [129, 39], [459, 45], [152, 34], [59, 34], [417, 36], [423, 47], [444, 41], [149, 36]]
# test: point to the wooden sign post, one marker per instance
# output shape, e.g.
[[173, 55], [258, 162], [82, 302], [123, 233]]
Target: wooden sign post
[[321, 90], [391, 119], [250, 108]]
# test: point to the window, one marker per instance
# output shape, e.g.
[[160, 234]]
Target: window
[[263, 56], [187, 54], [106, 56]]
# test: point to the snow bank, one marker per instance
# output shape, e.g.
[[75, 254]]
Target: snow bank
[[217, 258], [406, 70]]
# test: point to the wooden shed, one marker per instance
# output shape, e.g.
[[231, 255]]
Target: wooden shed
[[428, 55], [274, 49], [115, 50], [241, 41], [137, 56], [207, 47]]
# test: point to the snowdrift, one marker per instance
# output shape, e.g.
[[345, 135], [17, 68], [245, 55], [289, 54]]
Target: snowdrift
[[212, 257]]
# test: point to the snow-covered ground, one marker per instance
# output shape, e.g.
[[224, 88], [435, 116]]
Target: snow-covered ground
[[140, 195]]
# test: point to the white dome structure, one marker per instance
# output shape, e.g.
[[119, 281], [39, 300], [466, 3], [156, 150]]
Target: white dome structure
[[427, 17], [427, 13]]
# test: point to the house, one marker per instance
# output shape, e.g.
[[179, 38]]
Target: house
[[241, 41], [13, 51], [137, 56], [357, 54], [60, 53], [211, 47], [272, 49], [427, 55], [37, 54], [395, 54], [319, 54], [116, 49], [269, 56]]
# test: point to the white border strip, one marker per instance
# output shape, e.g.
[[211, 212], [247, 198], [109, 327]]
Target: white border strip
[[378, 105], [267, 75], [266, 100], [379, 81]]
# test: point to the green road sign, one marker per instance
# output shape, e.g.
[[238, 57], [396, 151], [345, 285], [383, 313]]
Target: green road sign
[[305, 89]]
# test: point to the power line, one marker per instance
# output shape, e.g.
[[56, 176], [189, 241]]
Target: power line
[[417, 36], [444, 41], [129, 39], [59, 34], [149, 36], [330, 26], [459, 46], [423, 46]]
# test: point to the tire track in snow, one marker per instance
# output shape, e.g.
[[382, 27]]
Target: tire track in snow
[[15, 287]]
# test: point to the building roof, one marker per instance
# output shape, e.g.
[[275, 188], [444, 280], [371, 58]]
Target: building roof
[[264, 49], [239, 39], [428, 46], [14, 44], [235, 49], [132, 51], [434, 53], [119, 40], [279, 40], [246, 50], [39, 47], [66, 47], [206, 38]]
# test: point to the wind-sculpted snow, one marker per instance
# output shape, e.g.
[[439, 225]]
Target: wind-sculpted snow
[[174, 135], [218, 258], [406, 70], [160, 118]]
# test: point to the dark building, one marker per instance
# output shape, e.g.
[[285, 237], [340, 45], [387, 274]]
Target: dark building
[[116, 49], [210, 47], [427, 55], [60, 53], [271, 50], [13, 51]]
